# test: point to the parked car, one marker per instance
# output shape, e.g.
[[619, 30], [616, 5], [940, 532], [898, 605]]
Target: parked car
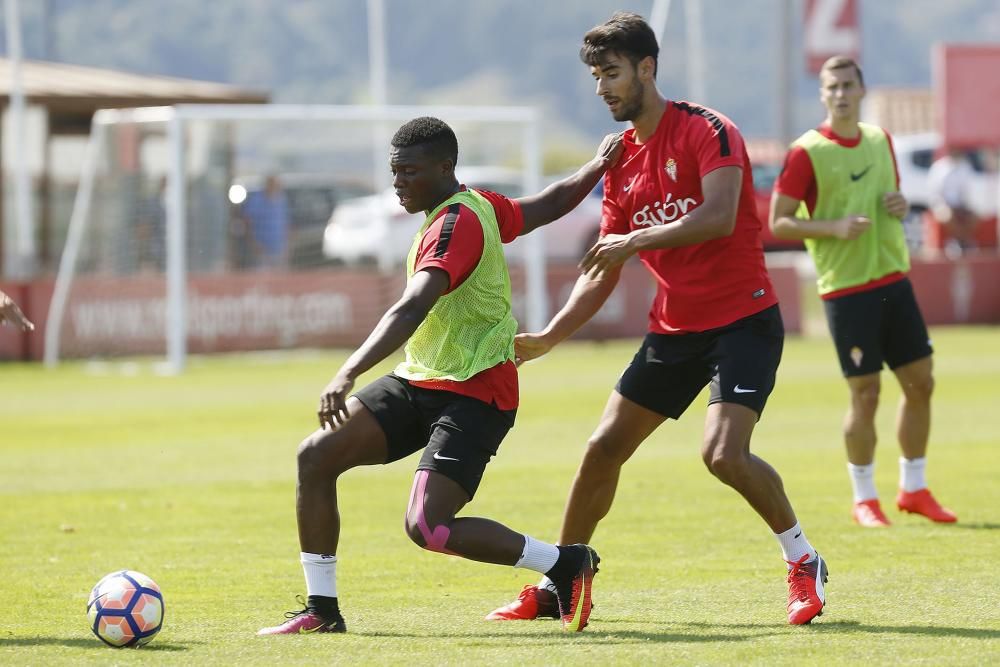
[[376, 229], [764, 176], [312, 197]]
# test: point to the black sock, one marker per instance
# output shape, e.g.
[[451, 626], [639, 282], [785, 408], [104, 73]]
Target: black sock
[[566, 565], [326, 607]]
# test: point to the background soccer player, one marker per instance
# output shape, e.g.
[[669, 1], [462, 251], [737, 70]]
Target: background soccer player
[[681, 197], [455, 395], [11, 314], [839, 190]]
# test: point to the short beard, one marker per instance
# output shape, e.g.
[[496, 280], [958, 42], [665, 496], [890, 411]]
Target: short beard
[[632, 108]]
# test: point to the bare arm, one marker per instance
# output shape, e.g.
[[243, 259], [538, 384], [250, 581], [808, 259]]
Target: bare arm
[[396, 326], [563, 196], [715, 218], [588, 295], [784, 224]]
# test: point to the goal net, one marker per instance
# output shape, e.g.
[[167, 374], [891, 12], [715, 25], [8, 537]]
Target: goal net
[[212, 228]]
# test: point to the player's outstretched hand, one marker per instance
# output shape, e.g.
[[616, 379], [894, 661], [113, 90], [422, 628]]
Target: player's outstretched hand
[[895, 203], [611, 149], [851, 227], [10, 313], [528, 346], [611, 250], [333, 402]]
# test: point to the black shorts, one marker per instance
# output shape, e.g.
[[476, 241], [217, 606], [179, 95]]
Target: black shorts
[[458, 434], [739, 360], [883, 325]]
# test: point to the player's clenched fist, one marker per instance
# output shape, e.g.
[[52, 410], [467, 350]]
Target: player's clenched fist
[[852, 226], [895, 203]]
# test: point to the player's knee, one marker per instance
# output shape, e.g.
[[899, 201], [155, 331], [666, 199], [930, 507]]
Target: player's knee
[[603, 453], [307, 459], [313, 462], [865, 397], [919, 389], [424, 535], [727, 466], [725, 462], [413, 531]]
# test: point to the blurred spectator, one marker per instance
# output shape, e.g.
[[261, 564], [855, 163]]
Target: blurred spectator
[[11, 314], [948, 182], [151, 228], [267, 221]]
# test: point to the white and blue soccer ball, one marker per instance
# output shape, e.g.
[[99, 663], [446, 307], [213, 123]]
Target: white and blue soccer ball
[[125, 608]]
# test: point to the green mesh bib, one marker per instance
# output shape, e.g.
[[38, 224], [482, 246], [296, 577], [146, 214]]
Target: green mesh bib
[[470, 328], [851, 181]]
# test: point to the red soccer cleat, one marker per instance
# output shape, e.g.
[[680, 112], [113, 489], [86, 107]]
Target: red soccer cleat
[[806, 593], [868, 513], [306, 622], [922, 502], [532, 603]]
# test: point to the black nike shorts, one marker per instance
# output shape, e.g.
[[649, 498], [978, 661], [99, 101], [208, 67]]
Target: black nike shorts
[[739, 362], [459, 434], [881, 326]]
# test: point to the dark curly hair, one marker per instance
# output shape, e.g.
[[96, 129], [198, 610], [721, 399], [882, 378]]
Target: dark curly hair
[[624, 33], [434, 134]]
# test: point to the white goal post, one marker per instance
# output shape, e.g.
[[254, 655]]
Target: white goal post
[[176, 125]]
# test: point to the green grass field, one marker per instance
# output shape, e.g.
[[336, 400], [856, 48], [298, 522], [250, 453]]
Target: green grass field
[[190, 480]]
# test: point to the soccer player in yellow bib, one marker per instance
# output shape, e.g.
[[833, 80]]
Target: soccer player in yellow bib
[[455, 395], [839, 192]]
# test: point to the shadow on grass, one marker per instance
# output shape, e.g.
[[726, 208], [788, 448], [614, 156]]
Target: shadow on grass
[[983, 525], [857, 626], [598, 633], [93, 643], [595, 636]]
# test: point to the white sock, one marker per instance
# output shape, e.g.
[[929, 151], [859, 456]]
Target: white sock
[[912, 474], [547, 584], [863, 481], [537, 556], [794, 544], [321, 574]]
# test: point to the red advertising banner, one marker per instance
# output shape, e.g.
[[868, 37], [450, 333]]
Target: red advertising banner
[[966, 81], [339, 307], [831, 28]]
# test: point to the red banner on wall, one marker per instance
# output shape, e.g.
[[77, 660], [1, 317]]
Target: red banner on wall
[[966, 87], [831, 28]]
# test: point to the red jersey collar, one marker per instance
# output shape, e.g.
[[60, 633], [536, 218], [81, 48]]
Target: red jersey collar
[[828, 132]]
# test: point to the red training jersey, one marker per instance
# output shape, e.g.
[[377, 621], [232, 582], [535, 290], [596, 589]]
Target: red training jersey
[[705, 285], [454, 244]]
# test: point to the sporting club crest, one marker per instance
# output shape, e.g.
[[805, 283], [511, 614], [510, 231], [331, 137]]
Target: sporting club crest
[[671, 168]]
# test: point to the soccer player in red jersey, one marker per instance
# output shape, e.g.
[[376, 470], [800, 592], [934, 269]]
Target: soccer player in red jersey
[[839, 191], [454, 397], [681, 198]]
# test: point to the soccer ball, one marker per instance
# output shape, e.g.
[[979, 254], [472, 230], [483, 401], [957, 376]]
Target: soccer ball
[[125, 609]]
